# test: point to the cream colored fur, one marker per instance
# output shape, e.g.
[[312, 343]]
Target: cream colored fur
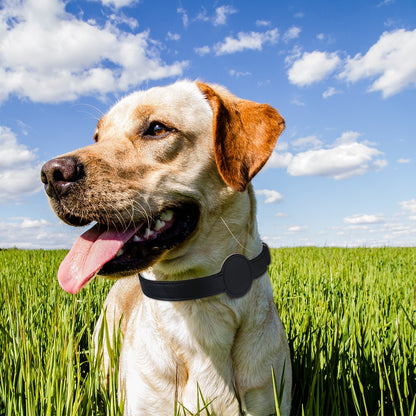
[[225, 346]]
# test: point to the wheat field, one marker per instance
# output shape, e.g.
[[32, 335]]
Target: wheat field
[[350, 316]]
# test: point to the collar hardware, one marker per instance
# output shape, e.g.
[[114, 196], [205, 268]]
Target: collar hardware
[[235, 279]]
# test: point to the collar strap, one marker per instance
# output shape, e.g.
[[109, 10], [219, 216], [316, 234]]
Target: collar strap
[[235, 279]]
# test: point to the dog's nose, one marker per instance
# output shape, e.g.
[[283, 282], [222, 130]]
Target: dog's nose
[[60, 174]]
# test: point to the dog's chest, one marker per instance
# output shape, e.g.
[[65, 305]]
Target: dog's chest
[[188, 328], [168, 346]]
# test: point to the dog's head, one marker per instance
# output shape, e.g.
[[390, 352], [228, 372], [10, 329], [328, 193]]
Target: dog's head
[[162, 160]]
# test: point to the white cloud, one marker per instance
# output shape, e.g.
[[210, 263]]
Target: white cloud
[[340, 162], [120, 19], [251, 41], [293, 55], [32, 233], [29, 223], [404, 161], [239, 74], [298, 102], [263, 23], [327, 38], [220, 17], [346, 157], [117, 3], [379, 164], [360, 219], [203, 50], [385, 3], [15, 183], [184, 14], [202, 16], [292, 33], [368, 230], [409, 205], [221, 14], [19, 169], [377, 230], [330, 92], [347, 137], [282, 146], [271, 195], [313, 67], [173, 36], [297, 228], [307, 142], [389, 61], [11, 153], [279, 160], [281, 215], [48, 55]]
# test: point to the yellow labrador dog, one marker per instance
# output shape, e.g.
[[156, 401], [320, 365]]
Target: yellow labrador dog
[[167, 183]]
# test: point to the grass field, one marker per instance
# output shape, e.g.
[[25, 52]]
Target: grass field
[[350, 315]]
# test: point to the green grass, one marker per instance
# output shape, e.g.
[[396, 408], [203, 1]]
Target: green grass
[[46, 365], [350, 315]]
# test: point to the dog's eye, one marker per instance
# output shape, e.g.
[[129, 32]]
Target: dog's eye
[[157, 129]]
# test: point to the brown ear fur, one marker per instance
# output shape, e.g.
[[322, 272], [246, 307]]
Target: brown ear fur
[[245, 134]]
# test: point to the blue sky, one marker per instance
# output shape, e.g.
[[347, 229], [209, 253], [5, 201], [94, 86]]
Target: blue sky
[[342, 73]]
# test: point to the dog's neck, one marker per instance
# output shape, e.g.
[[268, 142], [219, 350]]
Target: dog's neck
[[200, 258]]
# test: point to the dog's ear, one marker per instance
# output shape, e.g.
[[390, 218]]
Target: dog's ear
[[245, 134]]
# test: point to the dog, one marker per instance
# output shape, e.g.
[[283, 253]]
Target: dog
[[167, 183]]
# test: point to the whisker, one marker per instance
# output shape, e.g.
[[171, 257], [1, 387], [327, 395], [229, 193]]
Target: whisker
[[232, 234], [91, 115]]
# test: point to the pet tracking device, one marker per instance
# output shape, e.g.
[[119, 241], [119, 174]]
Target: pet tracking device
[[235, 279]]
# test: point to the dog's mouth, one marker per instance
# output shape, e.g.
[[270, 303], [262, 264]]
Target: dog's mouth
[[109, 252]]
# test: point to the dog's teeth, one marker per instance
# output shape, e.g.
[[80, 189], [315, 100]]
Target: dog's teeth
[[166, 215], [120, 252], [136, 239], [148, 233], [159, 225]]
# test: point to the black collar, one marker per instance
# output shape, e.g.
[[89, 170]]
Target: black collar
[[235, 279]]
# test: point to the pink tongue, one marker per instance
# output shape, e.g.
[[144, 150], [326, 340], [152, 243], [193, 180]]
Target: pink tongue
[[88, 255]]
